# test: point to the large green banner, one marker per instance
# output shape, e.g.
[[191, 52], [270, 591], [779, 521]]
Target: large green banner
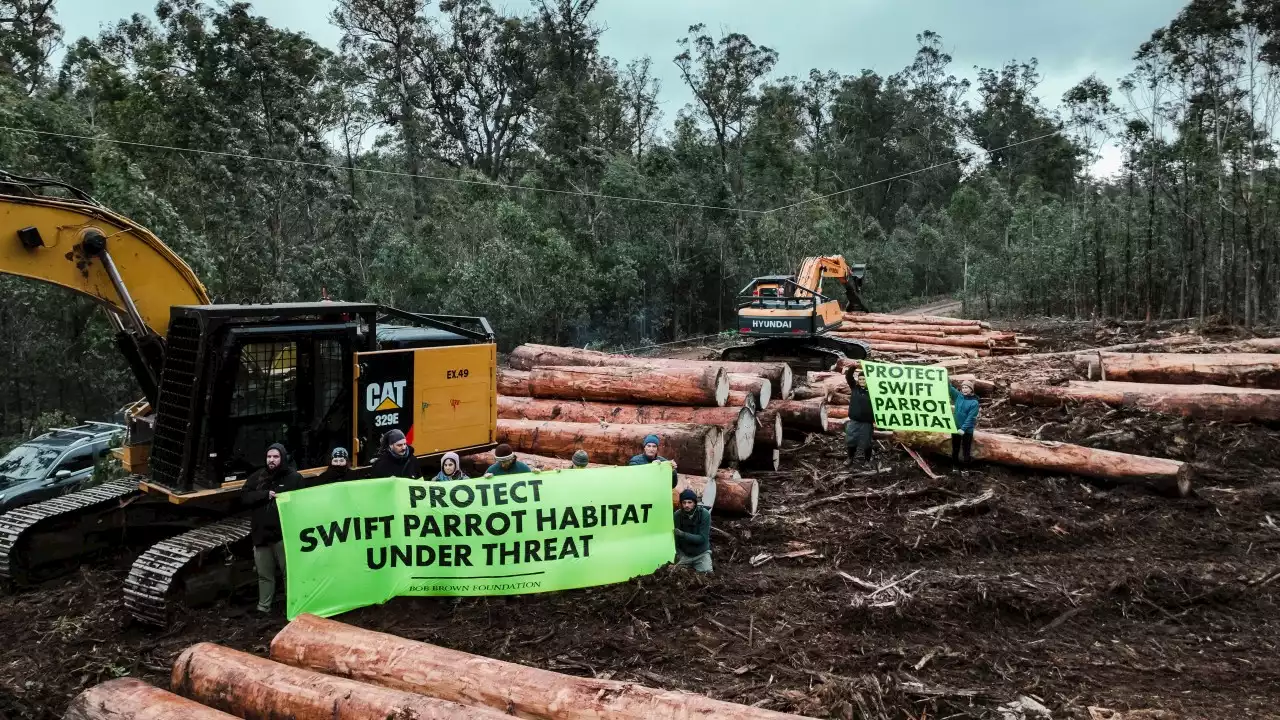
[[364, 542], [910, 397]]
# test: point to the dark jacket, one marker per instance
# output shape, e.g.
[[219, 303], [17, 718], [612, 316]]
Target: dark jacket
[[643, 459], [388, 465], [966, 410], [693, 531], [264, 523], [517, 467], [332, 474], [860, 405]]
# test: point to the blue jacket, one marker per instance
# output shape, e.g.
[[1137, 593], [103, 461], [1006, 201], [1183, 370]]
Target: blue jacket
[[966, 410]]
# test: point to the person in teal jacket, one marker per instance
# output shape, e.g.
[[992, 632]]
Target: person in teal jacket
[[965, 406]]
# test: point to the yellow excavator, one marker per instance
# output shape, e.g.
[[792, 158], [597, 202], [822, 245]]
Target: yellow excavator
[[790, 320], [221, 383]]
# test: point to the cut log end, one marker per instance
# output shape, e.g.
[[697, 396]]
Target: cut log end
[[736, 495], [131, 699]]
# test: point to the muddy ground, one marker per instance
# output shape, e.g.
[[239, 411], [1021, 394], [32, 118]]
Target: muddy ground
[[1059, 591]]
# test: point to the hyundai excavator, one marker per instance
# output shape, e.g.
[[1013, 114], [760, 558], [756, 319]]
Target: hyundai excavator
[[790, 320], [221, 383]]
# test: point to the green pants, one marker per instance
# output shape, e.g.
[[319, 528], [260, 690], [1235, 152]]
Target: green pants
[[700, 563], [266, 558]]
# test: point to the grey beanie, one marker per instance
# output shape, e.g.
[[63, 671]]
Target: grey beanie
[[392, 436]]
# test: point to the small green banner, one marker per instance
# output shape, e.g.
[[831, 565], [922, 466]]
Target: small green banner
[[910, 397], [364, 542]]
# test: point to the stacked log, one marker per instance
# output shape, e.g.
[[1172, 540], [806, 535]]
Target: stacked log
[[476, 464], [760, 387], [699, 386], [735, 494], [697, 449], [1203, 402], [929, 335], [1258, 370], [805, 415], [131, 699]]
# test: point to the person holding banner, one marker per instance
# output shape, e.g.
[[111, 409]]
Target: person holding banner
[[965, 405], [259, 493], [395, 458], [693, 533], [859, 438], [339, 468], [649, 454], [450, 468]]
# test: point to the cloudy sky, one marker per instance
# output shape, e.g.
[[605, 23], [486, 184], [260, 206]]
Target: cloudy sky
[[1071, 39]]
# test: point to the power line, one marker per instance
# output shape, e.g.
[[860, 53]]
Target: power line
[[371, 171]]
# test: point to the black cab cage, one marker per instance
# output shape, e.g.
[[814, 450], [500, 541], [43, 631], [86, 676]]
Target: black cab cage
[[750, 297]]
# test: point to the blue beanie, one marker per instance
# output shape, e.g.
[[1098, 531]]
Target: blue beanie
[[687, 494], [650, 439]]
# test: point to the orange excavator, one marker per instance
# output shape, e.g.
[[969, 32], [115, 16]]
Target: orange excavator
[[790, 320]]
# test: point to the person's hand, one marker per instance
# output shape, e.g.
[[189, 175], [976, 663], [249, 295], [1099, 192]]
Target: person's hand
[[535, 470], [488, 475], [673, 465], [271, 494]]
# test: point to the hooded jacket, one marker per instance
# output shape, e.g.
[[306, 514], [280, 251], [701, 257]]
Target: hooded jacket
[[387, 464], [457, 473], [264, 522]]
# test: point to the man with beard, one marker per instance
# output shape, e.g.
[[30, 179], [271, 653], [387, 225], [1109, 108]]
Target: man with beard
[[693, 533], [395, 458], [260, 492]]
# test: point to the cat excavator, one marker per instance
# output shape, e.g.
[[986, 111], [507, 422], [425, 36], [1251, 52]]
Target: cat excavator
[[790, 320], [220, 384]]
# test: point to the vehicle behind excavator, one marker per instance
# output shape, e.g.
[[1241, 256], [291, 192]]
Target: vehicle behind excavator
[[222, 383]]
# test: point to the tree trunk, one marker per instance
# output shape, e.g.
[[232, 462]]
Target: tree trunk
[[981, 388], [925, 349], [908, 329], [513, 382], [1262, 345], [1167, 477], [703, 386], [1204, 402], [837, 412], [131, 699], [808, 415], [980, 342], [1259, 370], [768, 430], [697, 449], [249, 686], [743, 399], [738, 423], [864, 318], [530, 355], [520, 690], [761, 387], [735, 495]]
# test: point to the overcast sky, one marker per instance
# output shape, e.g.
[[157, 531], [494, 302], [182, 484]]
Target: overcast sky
[[1070, 38]]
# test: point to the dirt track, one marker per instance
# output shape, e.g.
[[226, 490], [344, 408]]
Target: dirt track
[[1063, 591]]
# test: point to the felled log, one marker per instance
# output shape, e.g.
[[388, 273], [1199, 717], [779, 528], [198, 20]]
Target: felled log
[[1260, 370], [742, 399], [760, 387], [811, 392], [836, 426], [1175, 341], [737, 422], [808, 415], [933, 330], [1204, 402], [697, 449], [858, 317], [837, 412], [1166, 477], [1262, 345], [252, 687], [476, 464], [765, 459], [702, 386], [530, 355], [980, 387], [980, 342], [926, 349], [768, 430], [527, 692], [131, 699], [736, 496], [514, 383]]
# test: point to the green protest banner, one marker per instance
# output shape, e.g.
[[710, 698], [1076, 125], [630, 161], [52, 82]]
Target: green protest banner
[[364, 542], [910, 397]]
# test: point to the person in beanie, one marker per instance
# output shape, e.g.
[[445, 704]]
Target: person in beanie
[[649, 453], [339, 468], [580, 459], [858, 431], [450, 468], [693, 533], [259, 493], [395, 458], [506, 464], [966, 407]]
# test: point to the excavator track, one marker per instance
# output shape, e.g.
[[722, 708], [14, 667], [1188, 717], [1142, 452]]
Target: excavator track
[[19, 526], [819, 352], [186, 569]]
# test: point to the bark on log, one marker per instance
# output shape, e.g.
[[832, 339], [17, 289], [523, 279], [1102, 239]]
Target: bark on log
[[812, 392], [1167, 477], [252, 687], [764, 459], [131, 699], [701, 386], [768, 430], [859, 317], [981, 388], [737, 496], [742, 399], [835, 426], [526, 692], [705, 487], [514, 383], [837, 412], [530, 355], [929, 349], [808, 415], [1203, 402], [1259, 370], [697, 449], [934, 330], [761, 387], [980, 342], [737, 422]]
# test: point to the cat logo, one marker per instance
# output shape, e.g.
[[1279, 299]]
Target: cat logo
[[383, 397]]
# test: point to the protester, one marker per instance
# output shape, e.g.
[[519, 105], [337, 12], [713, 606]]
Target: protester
[[580, 459], [506, 464], [966, 408], [259, 492], [451, 468], [693, 533], [339, 468], [395, 458], [649, 454], [859, 439]]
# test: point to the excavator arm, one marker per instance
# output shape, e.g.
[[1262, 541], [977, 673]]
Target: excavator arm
[[814, 269], [75, 243]]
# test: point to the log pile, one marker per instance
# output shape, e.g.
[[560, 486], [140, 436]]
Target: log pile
[[322, 669], [930, 336], [1202, 402]]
